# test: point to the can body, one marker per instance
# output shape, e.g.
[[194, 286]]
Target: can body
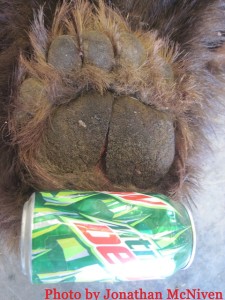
[[73, 236]]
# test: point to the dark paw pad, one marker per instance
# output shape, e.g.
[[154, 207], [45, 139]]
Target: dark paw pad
[[98, 50], [141, 144], [64, 54], [131, 50]]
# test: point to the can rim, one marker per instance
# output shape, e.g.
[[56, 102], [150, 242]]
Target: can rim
[[194, 240], [26, 236]]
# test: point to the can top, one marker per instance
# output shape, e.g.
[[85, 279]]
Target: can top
[[194, 238], [26, 236]]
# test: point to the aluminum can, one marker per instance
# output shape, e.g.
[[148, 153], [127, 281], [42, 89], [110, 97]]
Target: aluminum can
[[77, 236]]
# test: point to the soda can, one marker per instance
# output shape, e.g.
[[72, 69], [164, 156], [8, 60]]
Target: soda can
[[74, 236]]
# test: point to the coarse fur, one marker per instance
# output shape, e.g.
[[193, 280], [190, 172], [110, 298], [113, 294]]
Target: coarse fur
[[188, 34]]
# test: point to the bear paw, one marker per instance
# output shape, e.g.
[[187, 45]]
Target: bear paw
[[100, 105]]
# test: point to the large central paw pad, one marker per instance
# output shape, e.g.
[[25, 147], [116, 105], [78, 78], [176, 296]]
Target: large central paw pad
[[96, 102]]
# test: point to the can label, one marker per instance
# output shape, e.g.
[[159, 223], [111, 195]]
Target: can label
[[104, 236]]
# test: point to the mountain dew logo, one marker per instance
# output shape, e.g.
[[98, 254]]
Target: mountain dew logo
[[105, 243], [88, 236]]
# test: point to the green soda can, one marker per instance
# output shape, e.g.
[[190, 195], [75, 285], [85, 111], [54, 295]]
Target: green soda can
[[74, 236]]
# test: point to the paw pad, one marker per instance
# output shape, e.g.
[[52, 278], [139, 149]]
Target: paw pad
[[32, 94], [31, 97], [98, 50], [131, 50], [64, 54]]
